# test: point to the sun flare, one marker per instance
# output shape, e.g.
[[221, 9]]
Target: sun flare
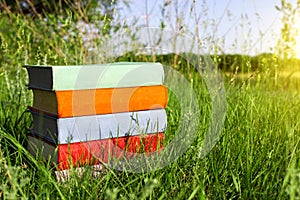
[[297, 48]]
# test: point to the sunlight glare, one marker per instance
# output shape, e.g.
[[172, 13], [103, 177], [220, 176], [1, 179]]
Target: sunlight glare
[[297, 50]]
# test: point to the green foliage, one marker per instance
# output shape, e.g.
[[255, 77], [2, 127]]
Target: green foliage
[[35, 8], [57, 39]]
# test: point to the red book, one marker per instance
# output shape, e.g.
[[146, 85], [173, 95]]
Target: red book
[[95, 151]]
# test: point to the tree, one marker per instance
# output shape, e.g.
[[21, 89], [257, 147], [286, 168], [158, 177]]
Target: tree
[[42, 7]]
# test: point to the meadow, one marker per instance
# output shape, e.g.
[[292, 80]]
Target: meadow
[[257, 156]]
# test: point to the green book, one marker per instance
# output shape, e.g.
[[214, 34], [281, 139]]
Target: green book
[[79, 77]]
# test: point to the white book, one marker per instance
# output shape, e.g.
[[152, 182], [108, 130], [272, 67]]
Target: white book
[[79, 77], [96, 127]]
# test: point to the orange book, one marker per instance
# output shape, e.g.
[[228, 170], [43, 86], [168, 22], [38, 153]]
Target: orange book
[[70, 103]]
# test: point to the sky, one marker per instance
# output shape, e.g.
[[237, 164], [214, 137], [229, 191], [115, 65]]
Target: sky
[[236, 26]]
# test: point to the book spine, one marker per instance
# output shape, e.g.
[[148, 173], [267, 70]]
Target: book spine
[[40, 77], [39, 147], [44, 125]]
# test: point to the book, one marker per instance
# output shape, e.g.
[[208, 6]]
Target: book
[[80, 77], [95, 127], [71, 103], [94, 152]]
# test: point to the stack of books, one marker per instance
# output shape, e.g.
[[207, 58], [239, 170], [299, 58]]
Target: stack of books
[[91, 114]]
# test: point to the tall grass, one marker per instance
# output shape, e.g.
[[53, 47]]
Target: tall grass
[[257, 156]]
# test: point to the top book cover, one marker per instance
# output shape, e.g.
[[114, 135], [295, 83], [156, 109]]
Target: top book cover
[[80, 77]]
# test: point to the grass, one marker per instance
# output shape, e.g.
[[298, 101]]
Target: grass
[[257, 156]]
